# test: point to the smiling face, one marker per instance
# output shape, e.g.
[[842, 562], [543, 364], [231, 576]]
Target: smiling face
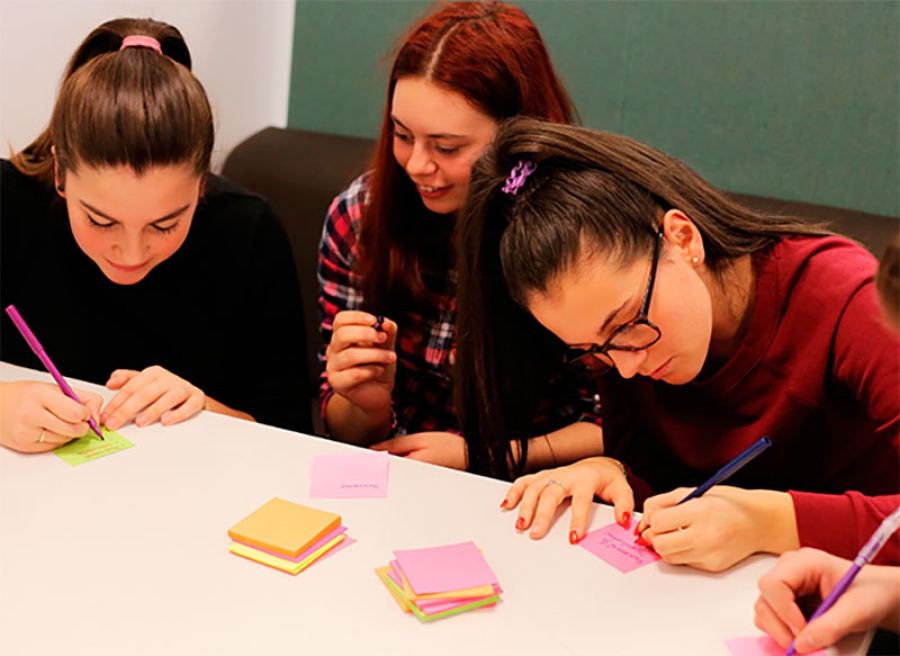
[[586, 304], [438, 136], [128, 224]]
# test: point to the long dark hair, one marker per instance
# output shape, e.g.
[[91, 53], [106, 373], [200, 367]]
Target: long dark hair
[[132, 107], [590, 190], [493, 55]]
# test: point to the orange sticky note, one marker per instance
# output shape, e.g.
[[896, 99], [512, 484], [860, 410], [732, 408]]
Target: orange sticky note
[[284, 527], [382, 573]]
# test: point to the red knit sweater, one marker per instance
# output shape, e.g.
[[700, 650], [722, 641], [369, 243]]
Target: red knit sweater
[[818, 372]]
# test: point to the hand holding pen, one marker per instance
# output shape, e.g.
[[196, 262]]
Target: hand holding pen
[[713, 526], [863, 558], [35, 416]]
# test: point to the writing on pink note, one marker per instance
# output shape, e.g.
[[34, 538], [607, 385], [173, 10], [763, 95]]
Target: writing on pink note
[[615, 545], [362, 474], [759, 646]]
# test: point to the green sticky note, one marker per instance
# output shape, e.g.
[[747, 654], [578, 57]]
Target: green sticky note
[[90, 447]]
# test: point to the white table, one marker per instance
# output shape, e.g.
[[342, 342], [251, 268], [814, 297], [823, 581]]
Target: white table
[[128, 554]]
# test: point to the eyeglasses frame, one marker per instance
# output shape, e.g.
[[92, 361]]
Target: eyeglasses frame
[[573, 354]]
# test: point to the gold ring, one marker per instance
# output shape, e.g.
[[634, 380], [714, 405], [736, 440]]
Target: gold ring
[[43, 435]]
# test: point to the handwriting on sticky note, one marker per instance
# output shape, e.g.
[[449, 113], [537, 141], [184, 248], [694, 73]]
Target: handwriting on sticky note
[[615, 545], [90, 447], [362, 475], [759, 646]]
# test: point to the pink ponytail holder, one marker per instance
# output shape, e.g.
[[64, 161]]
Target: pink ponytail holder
[[135, 41]]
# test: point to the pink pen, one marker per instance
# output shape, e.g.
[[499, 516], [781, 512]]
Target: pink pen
[[39, 351]]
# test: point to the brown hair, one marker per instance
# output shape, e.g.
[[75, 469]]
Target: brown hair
[[590, 189], [132, 107], [493, 55], [887, 281]]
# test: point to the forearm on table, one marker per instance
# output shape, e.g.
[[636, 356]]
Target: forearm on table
[[349, 423], [561, 447], [220, 408]]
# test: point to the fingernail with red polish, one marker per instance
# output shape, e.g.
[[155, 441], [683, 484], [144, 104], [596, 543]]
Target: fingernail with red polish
[[638, 530], [520, 523], [641, 541], [573, 537], [626, 517], [503, 503]]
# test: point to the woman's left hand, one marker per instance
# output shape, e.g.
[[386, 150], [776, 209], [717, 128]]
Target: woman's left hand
[[438, 448], [719, 529], [541, 494], [148, 395]]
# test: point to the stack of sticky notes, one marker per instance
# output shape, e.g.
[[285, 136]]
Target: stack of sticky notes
[[286, 535], [438, 582]]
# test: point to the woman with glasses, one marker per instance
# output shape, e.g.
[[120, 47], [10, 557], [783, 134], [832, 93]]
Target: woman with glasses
[[707, 325]]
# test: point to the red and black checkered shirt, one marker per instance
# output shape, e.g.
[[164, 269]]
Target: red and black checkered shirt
[[422, 386]]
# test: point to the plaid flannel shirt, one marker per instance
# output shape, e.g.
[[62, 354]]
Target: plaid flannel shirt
[[422, 396]]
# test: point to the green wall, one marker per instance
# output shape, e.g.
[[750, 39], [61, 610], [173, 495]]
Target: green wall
[[795, 100]]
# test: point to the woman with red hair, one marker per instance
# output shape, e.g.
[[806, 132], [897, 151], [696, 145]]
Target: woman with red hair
[[386, 262]]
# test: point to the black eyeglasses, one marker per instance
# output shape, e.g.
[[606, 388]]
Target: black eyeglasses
[[638, 334]]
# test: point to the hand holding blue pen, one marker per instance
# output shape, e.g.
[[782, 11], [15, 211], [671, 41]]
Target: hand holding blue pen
[[45, 359], [738, 462]]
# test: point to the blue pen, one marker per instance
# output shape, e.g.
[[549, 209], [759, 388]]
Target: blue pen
[[736, 463], [739, 461], [865, 555]]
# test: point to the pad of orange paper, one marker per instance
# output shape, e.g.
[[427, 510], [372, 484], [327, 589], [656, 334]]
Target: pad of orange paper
[[284, 527], [382, 573]]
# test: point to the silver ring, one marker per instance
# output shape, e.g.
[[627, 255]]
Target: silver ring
[[553, 481], [43, 435]]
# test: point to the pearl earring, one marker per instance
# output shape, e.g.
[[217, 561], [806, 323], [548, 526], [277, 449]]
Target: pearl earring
[[695, 260]]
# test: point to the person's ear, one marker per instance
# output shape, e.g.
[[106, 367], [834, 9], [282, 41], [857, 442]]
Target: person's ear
[[683, 235], [58, 181]]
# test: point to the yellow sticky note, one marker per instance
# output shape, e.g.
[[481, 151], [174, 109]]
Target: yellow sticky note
[[285, 527], [90, 447], [288, 566]]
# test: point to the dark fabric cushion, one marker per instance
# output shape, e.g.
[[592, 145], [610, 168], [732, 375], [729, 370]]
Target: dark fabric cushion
[[300, 173], [873, 231]]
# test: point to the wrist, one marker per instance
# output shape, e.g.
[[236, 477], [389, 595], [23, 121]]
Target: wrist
[[774, 521]]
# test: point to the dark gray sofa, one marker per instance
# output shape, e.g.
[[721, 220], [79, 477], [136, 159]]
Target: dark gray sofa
[[301, 172]]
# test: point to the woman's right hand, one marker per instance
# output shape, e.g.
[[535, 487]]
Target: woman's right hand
[[541, 493], [872, 600], [360, 360], [37, 417]]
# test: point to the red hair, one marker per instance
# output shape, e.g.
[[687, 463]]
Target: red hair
[[493, 55]]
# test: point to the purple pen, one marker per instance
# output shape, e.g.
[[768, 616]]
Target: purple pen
[[39, 351], [865, 556], [379, 321]]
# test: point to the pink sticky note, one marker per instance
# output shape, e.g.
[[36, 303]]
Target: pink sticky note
[[343, 545], [616, 546], [439, 569], [362, 475], [760, 646]]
